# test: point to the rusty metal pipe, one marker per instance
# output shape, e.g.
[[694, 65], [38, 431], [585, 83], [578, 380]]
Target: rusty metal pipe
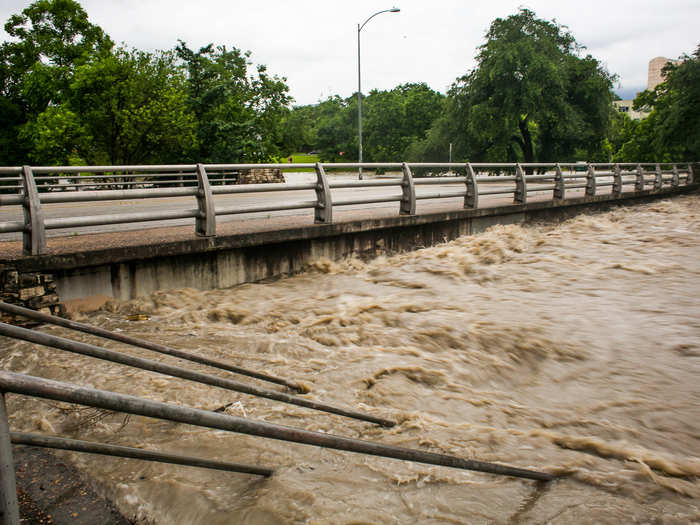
[[9, 506], [176, 371], [48, 389], [101, 332], [77, 445]]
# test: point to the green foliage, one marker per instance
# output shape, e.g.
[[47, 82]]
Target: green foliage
[[336, 129], [128, 107], [392, 121], [531, 97], [397, 118], [670, 132], [51, 38], [237, 114]]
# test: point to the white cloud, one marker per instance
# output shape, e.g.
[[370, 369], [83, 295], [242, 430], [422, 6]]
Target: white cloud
[[314, 43]]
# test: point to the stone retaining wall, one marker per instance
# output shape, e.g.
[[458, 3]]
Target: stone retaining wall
[[33, 290], [260, 176]]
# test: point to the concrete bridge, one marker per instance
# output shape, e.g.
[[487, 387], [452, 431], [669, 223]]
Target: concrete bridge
[[250, 232]]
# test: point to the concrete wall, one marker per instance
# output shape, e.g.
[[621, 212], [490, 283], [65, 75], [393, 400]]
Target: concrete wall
[[227, 261]]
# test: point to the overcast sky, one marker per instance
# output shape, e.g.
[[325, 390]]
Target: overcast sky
[[313, 43]]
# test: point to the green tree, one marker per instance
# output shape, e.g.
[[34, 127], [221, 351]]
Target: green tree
[[128, 107], [531, 96], [50, 39], [395, 119], [298, 130], [336, 129], [392, 121], [669, 132], [676, 103], [238, 114]]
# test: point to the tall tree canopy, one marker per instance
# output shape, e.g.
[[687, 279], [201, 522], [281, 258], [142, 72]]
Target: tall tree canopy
[[531, 96], [128, 107], [51, 39], [396, 118], [67, 96], [392, 120], [237, 113]]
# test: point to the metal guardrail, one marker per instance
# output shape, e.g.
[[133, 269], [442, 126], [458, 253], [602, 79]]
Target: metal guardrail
[[22, 384], [35, 186]]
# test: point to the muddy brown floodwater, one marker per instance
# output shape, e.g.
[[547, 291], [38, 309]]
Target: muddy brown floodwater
[[572, 348]]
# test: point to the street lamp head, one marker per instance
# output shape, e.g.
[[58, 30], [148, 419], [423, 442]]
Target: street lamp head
[[394, 10]]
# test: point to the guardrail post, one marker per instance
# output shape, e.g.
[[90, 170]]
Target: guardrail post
[[408, 192], [691, 175], [9, 508], [205, 223], [471, 199], [34, 234], [590, 181], [559, 187], [659, 180], [676, 177], [617, 180], [520, 195], [323, 213], [639, 182]]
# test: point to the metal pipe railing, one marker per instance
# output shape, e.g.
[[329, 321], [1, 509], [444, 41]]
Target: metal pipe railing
[[78, 445], [122, 218], [661, 175], [69, 393], [16, 310], [271, 207], [105, 354]]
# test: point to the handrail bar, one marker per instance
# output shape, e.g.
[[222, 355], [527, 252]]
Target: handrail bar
[[90, 447], [395, 181], [124, 175], [12, 226], [439, 195], [70, 393], [424, 181], [114, 356], [6, 200], [259, 188], [99, 220], [238, 210], [14, 309], [327, 165], [127, 167], [116, 195], [369, 200], [503, 191], [551, 176]]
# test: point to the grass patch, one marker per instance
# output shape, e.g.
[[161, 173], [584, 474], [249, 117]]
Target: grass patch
[[298, 158]]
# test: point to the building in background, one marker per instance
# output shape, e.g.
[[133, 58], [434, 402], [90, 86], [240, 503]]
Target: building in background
[[654, 78], [626, 107], [656, 66]]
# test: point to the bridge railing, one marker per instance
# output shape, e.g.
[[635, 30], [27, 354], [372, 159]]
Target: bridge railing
[[33, 187]]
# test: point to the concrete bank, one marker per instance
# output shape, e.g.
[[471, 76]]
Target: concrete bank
[[224, 261]]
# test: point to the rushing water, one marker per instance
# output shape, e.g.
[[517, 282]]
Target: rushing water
[[572, 348]]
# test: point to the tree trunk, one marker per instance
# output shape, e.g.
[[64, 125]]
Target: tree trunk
[[526, 144]]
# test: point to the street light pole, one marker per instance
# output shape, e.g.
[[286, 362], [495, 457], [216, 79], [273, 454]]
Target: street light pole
[[359, 82]]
